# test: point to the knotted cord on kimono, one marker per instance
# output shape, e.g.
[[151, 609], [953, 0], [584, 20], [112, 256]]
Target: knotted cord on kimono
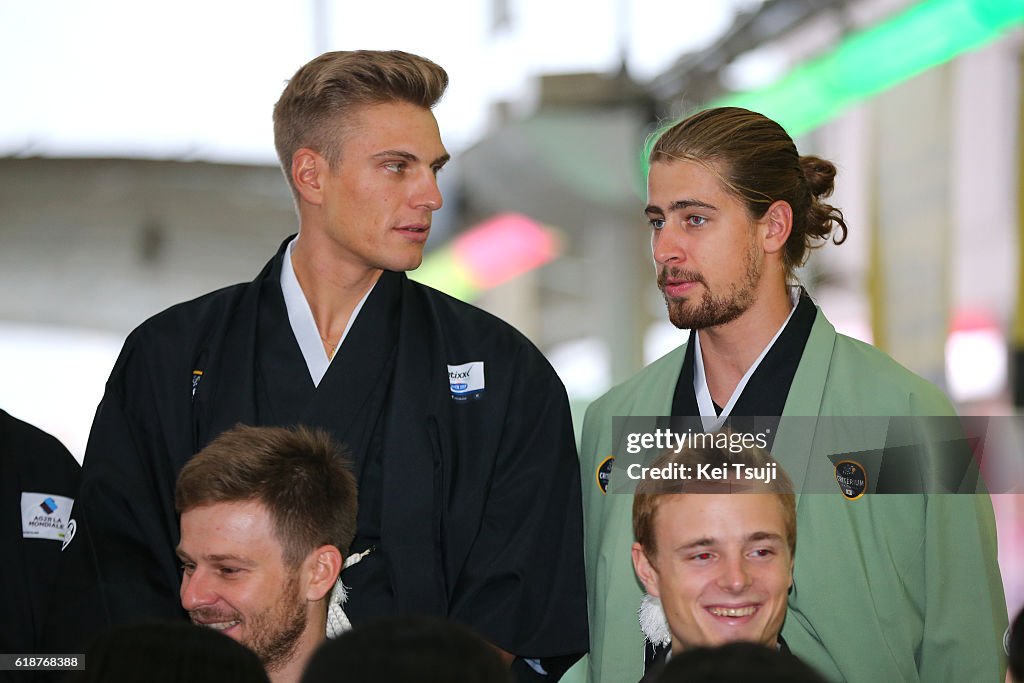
[[337, 620]]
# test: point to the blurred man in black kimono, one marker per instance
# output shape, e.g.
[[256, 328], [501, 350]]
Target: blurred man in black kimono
[[469, 494]]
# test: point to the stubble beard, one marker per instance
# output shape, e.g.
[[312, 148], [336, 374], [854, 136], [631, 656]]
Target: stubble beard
[[711, 310], [276, 631]]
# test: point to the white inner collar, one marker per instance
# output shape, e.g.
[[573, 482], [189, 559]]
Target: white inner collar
[[303, 325], [711, 420]]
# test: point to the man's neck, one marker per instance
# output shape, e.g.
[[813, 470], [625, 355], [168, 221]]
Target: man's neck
[[291, 672], [729, 350], [332, 284], [314, 635]]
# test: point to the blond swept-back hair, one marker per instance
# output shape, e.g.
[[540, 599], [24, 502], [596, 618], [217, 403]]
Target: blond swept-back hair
[[314, 106], [301, 476], [650, 493]]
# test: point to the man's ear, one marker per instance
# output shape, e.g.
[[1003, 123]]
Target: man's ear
[[645, 570], [308, 172], [776, 224], [324, 564]]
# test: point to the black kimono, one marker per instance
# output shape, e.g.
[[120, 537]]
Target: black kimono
[[470, 498], [38, 482]]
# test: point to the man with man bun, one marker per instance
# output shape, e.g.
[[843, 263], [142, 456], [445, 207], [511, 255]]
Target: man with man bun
[[885, 587]]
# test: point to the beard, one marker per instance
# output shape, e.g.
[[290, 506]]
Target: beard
[[711, 310], [273, 634]]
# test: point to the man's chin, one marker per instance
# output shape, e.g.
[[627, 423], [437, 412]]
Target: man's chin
[[751, 635], [681, 316], [701, 317], [404, 263]]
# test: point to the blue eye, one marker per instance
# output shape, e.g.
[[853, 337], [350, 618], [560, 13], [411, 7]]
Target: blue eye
[[657, 223], [395, 166]]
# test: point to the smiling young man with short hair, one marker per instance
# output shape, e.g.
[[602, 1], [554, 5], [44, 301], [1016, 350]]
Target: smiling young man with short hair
[[267, 515], [715, 557]]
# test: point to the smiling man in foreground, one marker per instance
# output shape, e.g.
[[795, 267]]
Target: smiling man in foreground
[[715, 556], [266, 515]]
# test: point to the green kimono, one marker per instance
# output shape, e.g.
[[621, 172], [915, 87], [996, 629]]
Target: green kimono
[[894, 587]]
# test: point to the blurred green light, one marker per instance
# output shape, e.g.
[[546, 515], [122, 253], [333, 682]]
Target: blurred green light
[[867, 63], [442, 270]]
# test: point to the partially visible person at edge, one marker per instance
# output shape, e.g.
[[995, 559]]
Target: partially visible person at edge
[[887, 587], [38, 483], [1015, 649], [460, 429], [715, 557]]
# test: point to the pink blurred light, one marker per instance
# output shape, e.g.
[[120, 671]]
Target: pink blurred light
[[503, 247]]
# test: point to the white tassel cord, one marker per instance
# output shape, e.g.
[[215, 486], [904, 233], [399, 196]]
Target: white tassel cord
[[653, 622], [337, 620]]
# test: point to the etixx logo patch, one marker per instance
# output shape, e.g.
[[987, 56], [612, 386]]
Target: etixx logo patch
[[466, 381], [852, 479]]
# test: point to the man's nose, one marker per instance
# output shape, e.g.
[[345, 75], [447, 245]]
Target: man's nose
[[668, 247], [195, 591], [428, 193], [735, 576]]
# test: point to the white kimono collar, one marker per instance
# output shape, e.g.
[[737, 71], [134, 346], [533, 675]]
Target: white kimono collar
[[711, 420], [300, 317]]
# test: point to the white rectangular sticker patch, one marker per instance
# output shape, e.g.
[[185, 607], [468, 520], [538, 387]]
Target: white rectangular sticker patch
[[466, 380], [45, 515]]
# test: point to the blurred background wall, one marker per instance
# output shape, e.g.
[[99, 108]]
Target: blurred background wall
[[137, 170]]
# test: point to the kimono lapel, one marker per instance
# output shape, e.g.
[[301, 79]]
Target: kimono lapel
[[356, 383], [795, 438], [808, 388], [412, 468], [284, 387], [226, 394]]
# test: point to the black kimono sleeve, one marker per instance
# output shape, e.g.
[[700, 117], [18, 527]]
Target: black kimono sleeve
[[522, 584], [121, 566]]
